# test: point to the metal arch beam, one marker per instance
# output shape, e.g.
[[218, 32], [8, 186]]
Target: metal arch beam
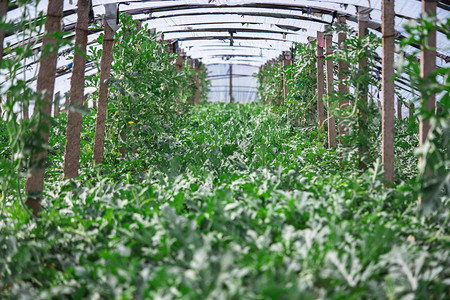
[[227, 37], [226, 30], [226, 46], [235, 26]]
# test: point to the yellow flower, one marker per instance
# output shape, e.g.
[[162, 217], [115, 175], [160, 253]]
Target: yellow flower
[[130, 122]]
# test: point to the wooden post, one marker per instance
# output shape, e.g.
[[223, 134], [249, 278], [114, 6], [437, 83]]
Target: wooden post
[[45, 83], [399, 108], [411, 110], [388, 31], [197, 81], [25, 112], [427, 66], [180, 60], [329, 66], [342, 69], [74, 119], [3, 11], [363, 25], [105, 71], [231, 83], [285, 62], [320, 81], [56, 105]]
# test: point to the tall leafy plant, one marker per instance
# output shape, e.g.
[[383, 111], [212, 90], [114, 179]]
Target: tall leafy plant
[[25, 141], [302, 81], [270, 78], [434, 154], [361, 116]]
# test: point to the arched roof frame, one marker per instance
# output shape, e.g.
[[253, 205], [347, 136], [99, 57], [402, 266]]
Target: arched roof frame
[[318, 13]]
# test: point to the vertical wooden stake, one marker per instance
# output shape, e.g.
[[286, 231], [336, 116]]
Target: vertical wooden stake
[[56, 105], [329, 67], [231, 83], [285, 62], [105, 71], [320, 81], [399, 108], [427, 66], [363, 25], [45, 82], [411, 110], [3, 11], [197, 65], [25, 109], [342, 69], [74, 119], [388, 31]]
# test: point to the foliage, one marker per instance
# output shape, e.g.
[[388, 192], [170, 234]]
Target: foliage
[[302, 81], [434, 166], [226, 211], [270, 79], [24, 135], [148, 94], [357, 86]]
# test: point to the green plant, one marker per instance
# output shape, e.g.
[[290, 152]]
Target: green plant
[[434, 154]]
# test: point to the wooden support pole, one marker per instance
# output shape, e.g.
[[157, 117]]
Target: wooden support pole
[[342, 69], [329, 68], [25, 113], [427, 67], [45, 83], [411, 110], [197, 81], [3, 12], [231, 83], [102, 105], [180, 60], [363, 24], [399, 108], [320, 81], [285, 62], [388, 41], [74, 118], [56, 105]]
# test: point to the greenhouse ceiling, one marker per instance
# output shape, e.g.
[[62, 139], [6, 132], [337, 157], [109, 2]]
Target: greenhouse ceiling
[[244, 32]]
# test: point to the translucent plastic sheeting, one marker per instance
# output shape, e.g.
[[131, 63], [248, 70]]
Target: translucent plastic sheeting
[[244, 83], [263, 28]]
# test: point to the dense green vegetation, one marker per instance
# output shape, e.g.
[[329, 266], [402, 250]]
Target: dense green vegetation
[[224, 201], [239, 204]]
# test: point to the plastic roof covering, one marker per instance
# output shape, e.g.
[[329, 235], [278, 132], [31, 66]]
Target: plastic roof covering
[[263, 30]]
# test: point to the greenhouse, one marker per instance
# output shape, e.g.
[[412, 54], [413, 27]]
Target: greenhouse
[[225, 149]]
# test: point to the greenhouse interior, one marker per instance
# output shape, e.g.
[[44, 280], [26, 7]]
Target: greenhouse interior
[[225, 149]]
